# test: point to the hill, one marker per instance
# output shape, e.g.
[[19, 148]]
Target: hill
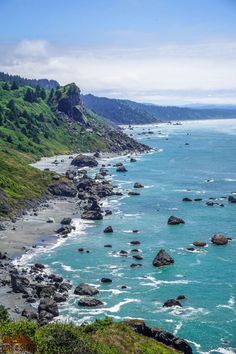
[[43, 83], [130, 112], [35, 122]]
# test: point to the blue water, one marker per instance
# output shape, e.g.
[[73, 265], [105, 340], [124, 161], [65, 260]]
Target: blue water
[[207, 279]]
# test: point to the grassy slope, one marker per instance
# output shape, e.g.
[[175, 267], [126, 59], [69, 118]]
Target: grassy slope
[[101, 337], [18, 180]]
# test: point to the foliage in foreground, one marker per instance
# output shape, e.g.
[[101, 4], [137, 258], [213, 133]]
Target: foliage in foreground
[[101, 337]]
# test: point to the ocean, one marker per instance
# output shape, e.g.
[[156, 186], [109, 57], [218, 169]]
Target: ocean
[[194, 160]]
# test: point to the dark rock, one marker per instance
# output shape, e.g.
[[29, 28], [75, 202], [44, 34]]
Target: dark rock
[[85, 289], [121, 169], [108, 245], [135, 265], [135, 231], [138, 257], [30, 300], [81, 249], [198, 199], [108, 212], [30, 314], [162, 259], [106, 280], [56, 177], [92, 215], [173, 220], [39, 266], [199, 243], [44, 318], [187, 199], [60, 297], [190, 249], [134, 250], [133, 159], [181, 297], [19, 283], [123, 287], [90, 302], [66, 221], [138, 185], [172, 302], [135, 242], [64, 230], [219, 239], [63, 189], [48, 305], [133, 193], [46, 291], [84, 161], [108, 229], [123, 253], [231, 199]]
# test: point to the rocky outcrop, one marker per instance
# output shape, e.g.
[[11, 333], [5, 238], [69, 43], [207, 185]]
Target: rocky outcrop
[[160, 335], [108, 229], [63, 189], [84, 161], [219, 240], [121, 169], [199, 243], [138, 185], [85, 289], [231, 199], [173, 220], [162, 259]]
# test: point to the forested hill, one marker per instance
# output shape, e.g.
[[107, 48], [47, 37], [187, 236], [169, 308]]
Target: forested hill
[[126, 111], [20, 81]]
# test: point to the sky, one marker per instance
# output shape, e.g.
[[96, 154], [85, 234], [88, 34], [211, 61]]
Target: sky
[[159, 51]]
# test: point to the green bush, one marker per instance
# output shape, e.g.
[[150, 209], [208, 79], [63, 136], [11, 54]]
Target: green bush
[[63, 338], [4, 315]]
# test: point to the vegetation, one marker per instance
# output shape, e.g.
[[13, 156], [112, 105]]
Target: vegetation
[[130, 112], [101, 337], [20, 81]]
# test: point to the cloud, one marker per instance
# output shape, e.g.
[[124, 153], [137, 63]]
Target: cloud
[[168, 74]]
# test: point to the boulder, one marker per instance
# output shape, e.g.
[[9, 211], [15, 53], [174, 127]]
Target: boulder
[[108, 212], [63, 189], [135, 242], [108, 245], [44, 318], [66, 221], [186, 199], [48, 305], [30, 314], [121, 169], [60, 297], [64, 230], [231, 199], [135, 265], [162, 259], [133, 159], [181, 297], [108, 229], [138, 185], [50, 220], [219, 239], [133, 193], [173, 220], [106, 280], [198, 199], [138, 257], [19, 283], [84, 161], [123, 253], [86, 289], [92, 215], [90, 302], [172, 302], [199, 243]]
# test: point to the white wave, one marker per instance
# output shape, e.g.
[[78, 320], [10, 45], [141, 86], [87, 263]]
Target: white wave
[[230, 304], [155, 282], [177, 328], [68, 268], [116, 308], [220, 350]]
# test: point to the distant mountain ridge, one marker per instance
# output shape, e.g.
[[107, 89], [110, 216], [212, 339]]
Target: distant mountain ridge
[[21, 81], [122, 111]]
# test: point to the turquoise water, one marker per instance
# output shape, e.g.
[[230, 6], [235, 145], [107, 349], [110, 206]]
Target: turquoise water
[[204, 168]]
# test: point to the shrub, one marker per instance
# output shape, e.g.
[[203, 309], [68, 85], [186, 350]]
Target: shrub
[[4, 315]]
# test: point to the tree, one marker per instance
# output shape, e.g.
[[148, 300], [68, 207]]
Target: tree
[[51, 95], [30, 96], [37, 91], [14, 86], [6, 87], [9, 139], [43, 94]]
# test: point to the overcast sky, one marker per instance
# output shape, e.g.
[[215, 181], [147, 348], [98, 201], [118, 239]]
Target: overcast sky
[[159, 51]]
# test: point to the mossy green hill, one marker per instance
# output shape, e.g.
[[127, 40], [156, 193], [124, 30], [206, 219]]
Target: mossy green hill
[[35, 122]]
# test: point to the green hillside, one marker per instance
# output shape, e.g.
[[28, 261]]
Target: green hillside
[[35, 122]]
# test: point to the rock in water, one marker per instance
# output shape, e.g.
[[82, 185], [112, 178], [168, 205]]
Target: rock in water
[[90, 302], [92, 215], [66, 221], [108, 229], [138, 185], [199, 243], [85, 289], [231, 199], [172, 302], [106, 280], [84, 161], [173, 220], [186, 199], [219, 239], [121, 169], [162, 258]]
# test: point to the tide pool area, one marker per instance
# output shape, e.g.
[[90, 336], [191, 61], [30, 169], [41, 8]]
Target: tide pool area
[[194, 160]]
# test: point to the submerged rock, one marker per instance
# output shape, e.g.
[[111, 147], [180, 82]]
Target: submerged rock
[[173, 220], [106, 280], [121, 169], [199, 243], [219, 239], [90, 302], [133, 193], [172, 302], [138, 185], [86, 289], [186, 199], [231, 199], [162, 259]]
